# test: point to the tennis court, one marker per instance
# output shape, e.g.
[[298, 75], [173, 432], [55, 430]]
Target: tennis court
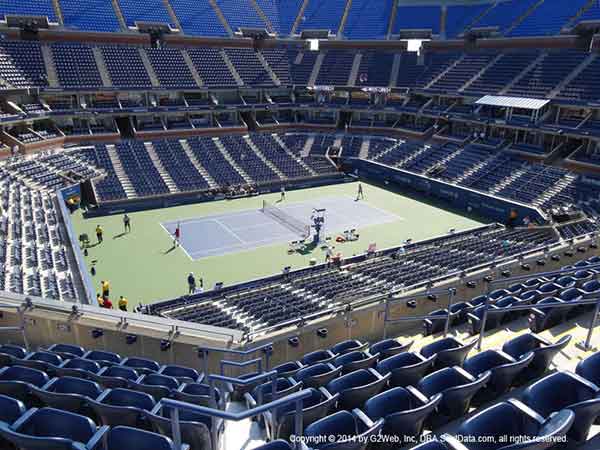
[[222, 234]]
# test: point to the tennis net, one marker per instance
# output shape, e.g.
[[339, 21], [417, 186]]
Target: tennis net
[[285, 219]]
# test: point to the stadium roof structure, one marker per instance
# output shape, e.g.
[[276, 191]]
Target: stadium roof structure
[[513, 102]]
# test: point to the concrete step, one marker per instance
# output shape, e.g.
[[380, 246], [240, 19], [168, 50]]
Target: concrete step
[[197, 164], [120, 172], [293, 156], [263, 158], [247, 178], [173, 189], [50, 67]]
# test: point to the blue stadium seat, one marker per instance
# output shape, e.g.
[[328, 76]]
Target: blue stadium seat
[[123, 407], [78, 367], [318, 356], [16, 351], [389, 347], [195, 428], [457, 387], [510, 420], [541, 319], [122, 437], [503, 368], [565, 390], [112, 377], [263, 393], [349, 362], [68, 393], [351, 429], [103, 358], [317, 375], [404, 410], [318, 405], [158, 386], [543, 350], [432, 326], [142, 366], [357, 387], [17, 381], [53, 429], [182, 373], [406, 369], [10, 409], [449, 351], [44, 361], [67, 351], [288, 369], [589, 368], [196, 393]]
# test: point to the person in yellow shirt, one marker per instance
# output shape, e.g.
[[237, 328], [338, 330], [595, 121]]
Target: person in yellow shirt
[[100, 300], [123, 303], [99, 233], [105, 288]]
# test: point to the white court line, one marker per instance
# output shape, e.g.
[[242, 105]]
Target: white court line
[[383, 211], [226, 228], [180, 246], [241, 248]]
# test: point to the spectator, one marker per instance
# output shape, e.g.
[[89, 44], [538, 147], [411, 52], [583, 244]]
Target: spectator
[[191, 283], [123, 303], [127, 223], [99, 233]]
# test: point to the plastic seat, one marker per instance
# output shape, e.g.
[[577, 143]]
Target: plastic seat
[[566, 390], [405, 369], [475, 319], [53, 429], [288, 369], [457, 387], [67, 351], [488, 428], [357, 387], [351, 345], [10, 409], [112, 377], [589, 368], [278, 444], [141, 365], [123, 407], [450, 352], [15, 351], [195, 428], [121, 437], [103, 358], [349, 362], [318, 356], [503, 368], [45, 361], [158, 386], [541, 319], [182, 373], [389, 347], [78, 367], [591, 289], [432, 326], [68, 393], [196, 393], [263, 393], [458, 312], [543, 351], [17, 381], [404, 410], [355, 426], [317, 375], [318, 405]]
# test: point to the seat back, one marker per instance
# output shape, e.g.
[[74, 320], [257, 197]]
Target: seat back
[[121, 437]]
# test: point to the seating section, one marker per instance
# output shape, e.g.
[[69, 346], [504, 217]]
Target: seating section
[[125, 67], [584, 87], [469, 66], [548, 18], [99, 15], [240, 13], [375, 69], [211, 67], [282, 14], [153, 11], [198, 18], [417, 18], [30, 8], [170, 68], [460, 17], [368, 19], [249, 67], [22, 64], [76, 66], [320, 15], [336, 68], [504, 14]]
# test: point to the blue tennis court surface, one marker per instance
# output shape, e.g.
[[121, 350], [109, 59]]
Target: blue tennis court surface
[[245, 230]]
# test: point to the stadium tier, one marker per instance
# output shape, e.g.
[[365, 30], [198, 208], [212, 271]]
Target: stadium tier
[[299, 224]]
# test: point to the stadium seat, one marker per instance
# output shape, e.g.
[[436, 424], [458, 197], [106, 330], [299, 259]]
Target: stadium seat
[[142, 366], [406, 369], [195, 428], [196, 393], [10, 409], [565, 390], [317, 375], [78, 367], [433, 326], [122, 437], [449, 351], [53, 429], [67, 351], [278, 444], [404, 410], [16, 351], [263, 393], [318, 405], [351, 429], [475, 319], [541, 319], [288, 369], [123, 407], [543, 351], [490, 428], [182, 373], [389, 347], [503, 368], [318, 356], [457, 387], [112, 377], [17, 382], [357, 387], [349, 362], [351, 345], [589, 368], [68, 393], [103, 358], [158, 386], [44, 361]]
